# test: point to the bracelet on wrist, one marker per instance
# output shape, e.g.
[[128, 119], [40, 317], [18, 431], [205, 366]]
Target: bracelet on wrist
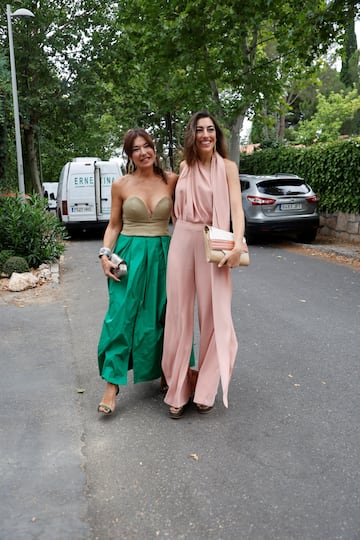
[[105, 251]]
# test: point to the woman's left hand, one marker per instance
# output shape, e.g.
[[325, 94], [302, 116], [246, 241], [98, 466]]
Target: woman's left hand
[[231, 259]]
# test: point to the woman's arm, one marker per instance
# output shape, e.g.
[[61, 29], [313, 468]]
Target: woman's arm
[[237, 213], [114, 227], [172, 178]]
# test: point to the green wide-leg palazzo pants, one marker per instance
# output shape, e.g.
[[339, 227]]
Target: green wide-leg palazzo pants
[[132, 332]]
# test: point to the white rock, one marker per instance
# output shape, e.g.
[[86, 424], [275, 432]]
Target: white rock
[[55, 278], [45, 274], [21, 282]]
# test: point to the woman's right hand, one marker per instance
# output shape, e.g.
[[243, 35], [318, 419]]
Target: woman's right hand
[[108, 268]]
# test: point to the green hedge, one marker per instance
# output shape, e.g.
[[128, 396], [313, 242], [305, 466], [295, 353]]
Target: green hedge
[[332, 170]]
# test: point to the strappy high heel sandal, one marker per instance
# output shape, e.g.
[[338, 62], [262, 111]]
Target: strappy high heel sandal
[[204, 409], [176, 412], [105, 409]]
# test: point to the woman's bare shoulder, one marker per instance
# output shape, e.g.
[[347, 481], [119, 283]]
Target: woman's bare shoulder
[[171, 177], [230, 165], [120, 185], [182, 165], [122, 181]]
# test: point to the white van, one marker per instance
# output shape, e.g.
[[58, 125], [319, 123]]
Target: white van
[[84, 192], [50, 190]]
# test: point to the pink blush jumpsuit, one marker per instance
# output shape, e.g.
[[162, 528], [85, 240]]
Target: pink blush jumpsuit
[[190, 276]]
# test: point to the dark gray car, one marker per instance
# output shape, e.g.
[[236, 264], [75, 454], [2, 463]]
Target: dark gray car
[[280, 203]]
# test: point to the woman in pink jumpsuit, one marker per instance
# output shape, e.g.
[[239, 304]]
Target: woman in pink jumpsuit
[[207, 192]]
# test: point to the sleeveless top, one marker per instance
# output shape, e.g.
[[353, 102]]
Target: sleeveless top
[[139, 221], [202, 196]]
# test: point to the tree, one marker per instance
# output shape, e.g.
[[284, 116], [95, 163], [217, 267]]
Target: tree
[[89, 70], [325, 125], [350, 55], [60, 115], [4, 89], [181, 56]]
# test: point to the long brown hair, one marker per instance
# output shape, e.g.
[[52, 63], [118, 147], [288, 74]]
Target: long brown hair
[[128, 144], [190, 150]]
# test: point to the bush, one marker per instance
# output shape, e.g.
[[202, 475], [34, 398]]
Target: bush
[[15, 264], [332, 170], [30, 231], [5, 254]]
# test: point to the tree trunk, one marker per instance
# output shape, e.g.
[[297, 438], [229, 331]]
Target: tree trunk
[[168, 121], [281, 130], [31, 156], [265, 123], [234, 144]]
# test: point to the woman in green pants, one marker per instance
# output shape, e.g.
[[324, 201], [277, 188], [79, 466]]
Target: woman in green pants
[[138, 232]]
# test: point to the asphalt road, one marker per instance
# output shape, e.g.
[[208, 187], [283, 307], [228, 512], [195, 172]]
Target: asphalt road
[[281, 463]]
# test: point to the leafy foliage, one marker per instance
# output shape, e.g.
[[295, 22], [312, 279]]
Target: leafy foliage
[[30, 231], [181, 56], [59, 105], [348, 74], [5, 254], [15, 264], [4, 89], [89, 70], [331, 113]]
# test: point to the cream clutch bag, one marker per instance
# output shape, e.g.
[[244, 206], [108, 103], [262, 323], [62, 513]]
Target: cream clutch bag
[[219, 242]]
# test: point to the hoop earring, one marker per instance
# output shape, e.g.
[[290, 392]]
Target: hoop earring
[[214, 149], [131, 166]]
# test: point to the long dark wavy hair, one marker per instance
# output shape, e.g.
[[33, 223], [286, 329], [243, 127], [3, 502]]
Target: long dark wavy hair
[[128, 144], [190, 151]]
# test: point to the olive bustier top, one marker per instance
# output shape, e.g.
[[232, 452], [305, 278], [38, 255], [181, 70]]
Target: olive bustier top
[[139, 221]]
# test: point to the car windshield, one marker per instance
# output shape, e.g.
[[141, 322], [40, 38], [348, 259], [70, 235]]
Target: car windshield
[[284, 186]]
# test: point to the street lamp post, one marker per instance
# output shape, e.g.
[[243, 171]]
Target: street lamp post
[[18, 13]]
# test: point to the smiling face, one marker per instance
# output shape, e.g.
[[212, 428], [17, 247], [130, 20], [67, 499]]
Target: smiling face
[[142, 153], [205, 138]]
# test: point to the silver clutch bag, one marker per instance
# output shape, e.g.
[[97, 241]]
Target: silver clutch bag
[[121, 266]]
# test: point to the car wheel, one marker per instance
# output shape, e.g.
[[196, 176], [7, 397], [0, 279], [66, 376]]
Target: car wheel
[[307, 237], [250, 237]]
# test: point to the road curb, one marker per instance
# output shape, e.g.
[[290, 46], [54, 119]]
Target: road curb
[[343, 251]]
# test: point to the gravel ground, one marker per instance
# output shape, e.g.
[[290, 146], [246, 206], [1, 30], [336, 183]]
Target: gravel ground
[[331, 249]]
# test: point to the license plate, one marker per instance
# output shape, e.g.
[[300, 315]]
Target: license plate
[[80, 209], [291, 206]]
